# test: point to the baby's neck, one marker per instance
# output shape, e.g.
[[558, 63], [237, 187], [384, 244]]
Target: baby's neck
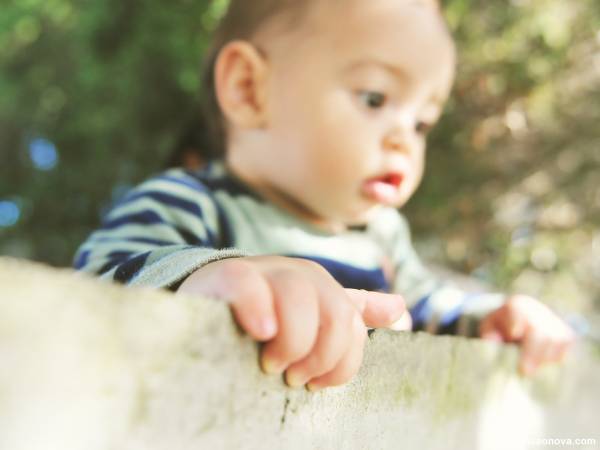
[[287, 203]]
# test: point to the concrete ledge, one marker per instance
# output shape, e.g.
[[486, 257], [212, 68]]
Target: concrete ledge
[[86, 365]]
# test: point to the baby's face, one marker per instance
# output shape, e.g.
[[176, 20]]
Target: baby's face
[[349, 105]]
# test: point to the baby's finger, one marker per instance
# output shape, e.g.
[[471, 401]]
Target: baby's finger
[[405, 323], [297, 310], [350, 363], [559, 347], [514, 323], [508, 320], [490, 330], [336, 318], [553, 352], [377, 309], [247, 291], [563, 349], [533, 351]]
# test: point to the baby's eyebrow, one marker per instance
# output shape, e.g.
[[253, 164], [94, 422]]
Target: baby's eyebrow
[[396, 71]]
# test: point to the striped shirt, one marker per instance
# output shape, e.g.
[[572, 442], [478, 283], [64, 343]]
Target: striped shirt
[[179, 221]]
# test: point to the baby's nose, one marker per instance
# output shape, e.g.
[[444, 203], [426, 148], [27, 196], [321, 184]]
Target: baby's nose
[[400, 133], [397, 140], [394, 141]]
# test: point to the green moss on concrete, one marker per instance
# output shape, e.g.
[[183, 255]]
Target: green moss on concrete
[[455, 396], [406, 393]]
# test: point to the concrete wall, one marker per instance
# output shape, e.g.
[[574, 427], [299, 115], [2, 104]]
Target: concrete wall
[[85, 365]]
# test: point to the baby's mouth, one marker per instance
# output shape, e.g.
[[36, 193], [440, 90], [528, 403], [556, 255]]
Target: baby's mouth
[[384, 189], [393, 179]]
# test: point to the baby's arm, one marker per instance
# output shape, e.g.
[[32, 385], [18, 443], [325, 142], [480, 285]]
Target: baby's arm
[[165, 234], [440, 308], [157, 235]]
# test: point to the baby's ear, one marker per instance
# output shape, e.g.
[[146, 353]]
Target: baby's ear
[[240, 84]]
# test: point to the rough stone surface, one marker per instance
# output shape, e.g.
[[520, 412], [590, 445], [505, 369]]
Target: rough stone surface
[[85, 365]]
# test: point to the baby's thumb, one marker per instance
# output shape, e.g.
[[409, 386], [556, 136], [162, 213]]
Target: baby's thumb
[[377, 309], [489, 331]]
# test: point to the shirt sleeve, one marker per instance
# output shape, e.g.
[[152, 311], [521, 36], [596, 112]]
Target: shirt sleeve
[[436, 306], [161, 232]]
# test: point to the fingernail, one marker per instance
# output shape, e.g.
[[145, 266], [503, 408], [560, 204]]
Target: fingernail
[[272, 367], [312, 387], [515, 331], [294, 379], [267, 327], [492, 336]]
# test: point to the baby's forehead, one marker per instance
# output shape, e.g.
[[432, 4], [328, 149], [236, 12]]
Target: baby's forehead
[[408, 35], [355, 20], [363, 25], [335, 10], [295, 14], [330, 34]]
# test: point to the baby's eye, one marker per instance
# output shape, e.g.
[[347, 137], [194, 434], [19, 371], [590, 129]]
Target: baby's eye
[[423, 127], [372, 99]]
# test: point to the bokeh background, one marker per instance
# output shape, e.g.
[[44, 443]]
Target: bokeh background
[[95, 95]]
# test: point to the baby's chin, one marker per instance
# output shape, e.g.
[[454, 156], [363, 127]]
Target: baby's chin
[[362, 217], [340, 219]]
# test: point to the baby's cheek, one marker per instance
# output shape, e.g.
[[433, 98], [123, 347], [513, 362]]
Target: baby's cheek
[[418, 169], [347, 146], [332, 168]]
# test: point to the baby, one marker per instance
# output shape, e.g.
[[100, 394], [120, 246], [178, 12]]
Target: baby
[[321, 109]]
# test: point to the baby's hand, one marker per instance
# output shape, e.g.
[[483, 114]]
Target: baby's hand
[[314, 329], [542, 335]]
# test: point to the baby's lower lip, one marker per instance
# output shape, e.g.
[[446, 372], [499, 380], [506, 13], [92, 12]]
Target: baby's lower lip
[[382, 191]]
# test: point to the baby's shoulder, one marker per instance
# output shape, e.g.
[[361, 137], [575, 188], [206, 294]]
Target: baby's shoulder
[[182, 182], [168, 193]]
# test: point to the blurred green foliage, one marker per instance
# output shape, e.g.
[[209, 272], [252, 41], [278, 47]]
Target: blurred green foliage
[[512, 192], [93, 96], [110, 84]]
